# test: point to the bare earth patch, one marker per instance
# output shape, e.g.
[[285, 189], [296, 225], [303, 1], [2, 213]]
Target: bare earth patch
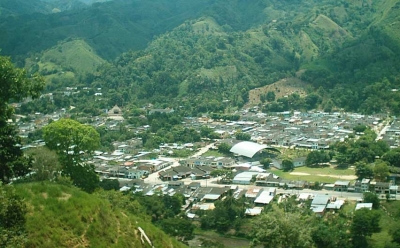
[[64, 196], [281, 88], [299, 173], [348, 177], [344, 177]]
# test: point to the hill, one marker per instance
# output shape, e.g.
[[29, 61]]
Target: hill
[[21, 7], [64, 62], [110, 28], [63, 216], [207, 55]]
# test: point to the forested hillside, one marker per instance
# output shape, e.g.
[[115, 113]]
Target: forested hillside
[[207, 55]]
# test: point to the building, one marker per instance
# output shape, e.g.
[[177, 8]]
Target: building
[[244, 177], [319, 203], [249, 149], [364, 205], [115, 113]]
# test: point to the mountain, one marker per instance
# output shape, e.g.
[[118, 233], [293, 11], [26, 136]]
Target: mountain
[[208, 54], [64, 216], [110, 28], [21, 7]]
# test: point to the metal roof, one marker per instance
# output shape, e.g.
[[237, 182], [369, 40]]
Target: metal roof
[[247, 148]]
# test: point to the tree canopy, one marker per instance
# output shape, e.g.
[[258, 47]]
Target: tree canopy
[[14, 85], [73, 140]]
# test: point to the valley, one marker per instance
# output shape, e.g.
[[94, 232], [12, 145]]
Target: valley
[[213, 123]]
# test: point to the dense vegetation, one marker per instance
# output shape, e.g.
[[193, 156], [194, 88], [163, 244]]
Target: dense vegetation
[[207, 55]]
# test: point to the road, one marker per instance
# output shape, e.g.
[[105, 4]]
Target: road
[[341, 195], [154, 179]]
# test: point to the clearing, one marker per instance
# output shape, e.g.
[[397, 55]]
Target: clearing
[[282, 88]]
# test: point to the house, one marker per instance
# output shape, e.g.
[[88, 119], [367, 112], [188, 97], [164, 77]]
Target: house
[[197, 173], [319, 203], [394, 189], [182, 171], [264, 198], [301, 161], [341, 185], [117, 171], [194, 186], [364, 205], [270, 181], [380, 187], [168, 175], [244, 178], [365, 184], [135, 173], [253, 211], [253, 193], [335, 205], [223, 162]]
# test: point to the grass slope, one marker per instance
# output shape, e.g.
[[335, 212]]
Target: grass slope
[[76, 55], [63, 216]]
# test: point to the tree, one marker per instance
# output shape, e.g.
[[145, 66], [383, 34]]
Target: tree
[[282, 230], [178, 227], [287, 165], [266, 162], [381, 170], [71, 141], [45, 164], [314, 158], [109, 184], [359, 128], [395, 233], [393, 157], [331, 232], [372, 198], [242, 136], [14, 84], [224, 148], [364, 170], [365, 223]]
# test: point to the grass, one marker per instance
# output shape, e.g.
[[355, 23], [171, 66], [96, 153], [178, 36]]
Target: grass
[[326, 175], [214, 153], [64, 216], [387, 222]]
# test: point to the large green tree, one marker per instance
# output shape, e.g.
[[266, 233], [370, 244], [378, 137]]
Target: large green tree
[[14, 85], [365, 223], [72, 141], [373, 198], [364, 170], [280, 229], [381, 171], [287, 165]]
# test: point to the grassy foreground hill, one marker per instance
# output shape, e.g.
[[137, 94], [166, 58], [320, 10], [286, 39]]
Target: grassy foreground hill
[[64, 216]]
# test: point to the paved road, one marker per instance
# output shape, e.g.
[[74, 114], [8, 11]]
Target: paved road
[[153, 179], [343, 195]]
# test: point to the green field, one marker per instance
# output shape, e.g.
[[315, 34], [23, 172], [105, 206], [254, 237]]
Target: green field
[[326, 175]]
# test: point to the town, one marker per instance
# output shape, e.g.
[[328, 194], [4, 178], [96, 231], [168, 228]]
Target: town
[[206, 175]]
